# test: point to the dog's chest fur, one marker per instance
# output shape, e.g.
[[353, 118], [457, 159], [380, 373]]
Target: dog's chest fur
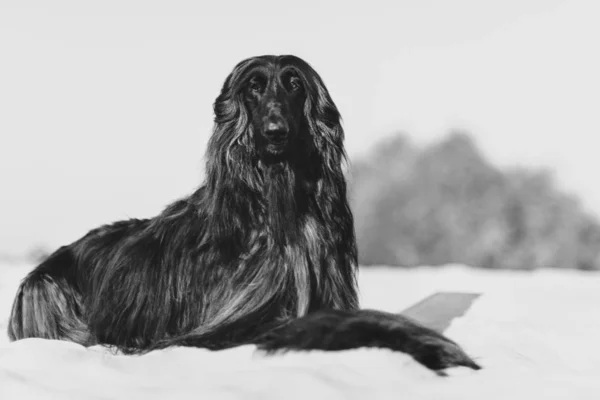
[[293, 270]]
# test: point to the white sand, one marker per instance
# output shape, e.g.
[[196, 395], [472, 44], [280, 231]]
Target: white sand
[[535, 334]]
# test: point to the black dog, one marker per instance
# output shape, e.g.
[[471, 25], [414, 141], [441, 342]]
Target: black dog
[[264, 252]]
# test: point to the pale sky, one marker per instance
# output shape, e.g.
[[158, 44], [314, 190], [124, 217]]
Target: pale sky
[[106, 107]]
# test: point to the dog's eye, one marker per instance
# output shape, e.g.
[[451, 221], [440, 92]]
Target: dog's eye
[[255, 85], [295, 83]]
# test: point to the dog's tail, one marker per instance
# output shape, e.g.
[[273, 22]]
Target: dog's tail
[[47, 306], [335, 330]]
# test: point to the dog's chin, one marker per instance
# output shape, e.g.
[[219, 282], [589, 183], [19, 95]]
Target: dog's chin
[[274, 153], [276, 149]]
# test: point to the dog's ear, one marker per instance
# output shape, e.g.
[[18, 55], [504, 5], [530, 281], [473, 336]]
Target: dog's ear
[[324, 120], [230, 175], [230, 148], [228, 105]]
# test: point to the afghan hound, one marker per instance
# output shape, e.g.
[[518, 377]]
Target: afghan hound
[[264, 252]]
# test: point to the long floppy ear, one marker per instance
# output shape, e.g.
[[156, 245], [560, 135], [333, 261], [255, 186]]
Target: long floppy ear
[[324, 120], [325, 126], [232, 133], [230, 176]]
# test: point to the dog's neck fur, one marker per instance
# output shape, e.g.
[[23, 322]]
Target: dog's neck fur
[[267, 209], [257, 195], [285, 203], [287, 240]]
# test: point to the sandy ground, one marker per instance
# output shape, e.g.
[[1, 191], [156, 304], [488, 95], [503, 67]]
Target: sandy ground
[[535, 334]]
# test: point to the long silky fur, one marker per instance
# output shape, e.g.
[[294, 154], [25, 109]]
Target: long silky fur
[[255, 246]]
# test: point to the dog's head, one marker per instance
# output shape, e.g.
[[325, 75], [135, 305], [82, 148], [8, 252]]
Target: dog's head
[[273, 109], [276, 151], [274, 96]]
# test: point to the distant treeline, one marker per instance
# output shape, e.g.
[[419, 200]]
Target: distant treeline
[[446, 204]]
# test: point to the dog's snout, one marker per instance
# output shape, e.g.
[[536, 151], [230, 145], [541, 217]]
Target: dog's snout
[[275, 125], [276, 129]]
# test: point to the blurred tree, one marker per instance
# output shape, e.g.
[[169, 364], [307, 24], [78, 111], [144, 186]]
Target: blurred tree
[[445, 204]]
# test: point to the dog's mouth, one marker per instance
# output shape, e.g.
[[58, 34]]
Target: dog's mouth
[[277, 144], [274, 154], [276, 147]]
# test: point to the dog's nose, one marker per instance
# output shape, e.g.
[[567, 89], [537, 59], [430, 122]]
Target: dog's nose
[[276, 131]]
